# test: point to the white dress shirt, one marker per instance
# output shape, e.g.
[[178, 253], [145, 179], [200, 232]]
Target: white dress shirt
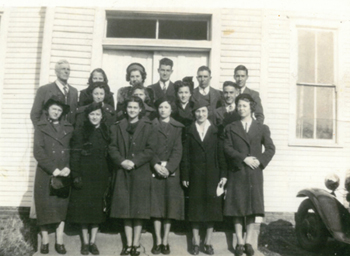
[[161, 83], [204, 91], [203, 129], [246, 125], [60, 86]]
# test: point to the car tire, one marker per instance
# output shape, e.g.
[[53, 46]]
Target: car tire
[[310, 230]]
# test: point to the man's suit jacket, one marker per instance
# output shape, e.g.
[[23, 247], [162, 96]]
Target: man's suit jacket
[[259, 112], [158, 92], [44, 93], [215, 97]]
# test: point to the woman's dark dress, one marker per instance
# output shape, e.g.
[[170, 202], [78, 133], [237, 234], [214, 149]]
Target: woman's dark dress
[[167, 196], [89, 161], [51, 150], [203, 164]]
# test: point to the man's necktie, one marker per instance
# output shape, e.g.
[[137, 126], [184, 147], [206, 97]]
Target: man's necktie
[[65, 89], [164, 89]]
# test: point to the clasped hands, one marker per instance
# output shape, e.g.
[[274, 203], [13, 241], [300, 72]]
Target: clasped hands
[[221, 183], [252, 162], [64, 172], [128, 165], [161, 171]]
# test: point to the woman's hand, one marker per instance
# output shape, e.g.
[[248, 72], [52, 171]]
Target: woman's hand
[[161, 170], [185, 183], [56, 172], [65, 172], [128, 165], [222, 182], [252, 162]]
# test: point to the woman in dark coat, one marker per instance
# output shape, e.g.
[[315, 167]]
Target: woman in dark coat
[[90, 174], [203, 169], [167, 197], [99, 92], [183, 104], [85, 97], [133, 144], [243, 147], [51, 150]]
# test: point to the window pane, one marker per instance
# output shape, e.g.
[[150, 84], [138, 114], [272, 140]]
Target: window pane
[[178, 29], [305, 112], [325, 58], [306, 56], [325, 113], [127, 28]]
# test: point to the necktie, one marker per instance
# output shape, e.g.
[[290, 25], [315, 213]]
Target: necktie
[[65, 89], [164, 88]]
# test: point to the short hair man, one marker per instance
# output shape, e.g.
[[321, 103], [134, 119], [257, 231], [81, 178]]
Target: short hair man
[[204, 91], [227, 113], [241, 77], [61, 89], [164, 87]]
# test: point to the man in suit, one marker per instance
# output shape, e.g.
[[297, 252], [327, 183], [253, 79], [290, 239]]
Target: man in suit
[[241, 77], [204, 91], [61, 89], [227, 113], [164, 87]]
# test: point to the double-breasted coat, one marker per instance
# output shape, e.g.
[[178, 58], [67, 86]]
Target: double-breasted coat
[[44, 93], [51, 150], [203, 164], [132, 190], [89, 151], [245, 194], [167, 196]]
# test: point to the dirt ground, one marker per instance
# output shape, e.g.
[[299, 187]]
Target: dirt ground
[[278, 239]]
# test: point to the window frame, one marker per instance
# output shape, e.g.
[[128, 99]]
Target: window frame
[[316, 24]]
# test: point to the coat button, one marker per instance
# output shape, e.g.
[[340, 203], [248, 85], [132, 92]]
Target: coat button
[[53, 151], [62, 152], [132, 154]]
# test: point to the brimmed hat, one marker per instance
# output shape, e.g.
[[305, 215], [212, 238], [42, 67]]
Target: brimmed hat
[[135, 66], [199, 104], [58, 100]]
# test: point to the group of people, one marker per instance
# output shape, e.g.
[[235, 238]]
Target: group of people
[[150, 149]]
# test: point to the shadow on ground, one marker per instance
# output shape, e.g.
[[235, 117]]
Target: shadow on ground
[[278, 239]]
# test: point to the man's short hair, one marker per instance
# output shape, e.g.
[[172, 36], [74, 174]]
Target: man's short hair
[[204, 68], [229, 83], [59, 63], [241, 67], [166, 62]]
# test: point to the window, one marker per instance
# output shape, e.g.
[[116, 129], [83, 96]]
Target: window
[[180, 27], [316, 90]]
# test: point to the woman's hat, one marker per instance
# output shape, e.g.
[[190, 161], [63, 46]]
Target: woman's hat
[[58, 100], [199, 104], [135, 66]]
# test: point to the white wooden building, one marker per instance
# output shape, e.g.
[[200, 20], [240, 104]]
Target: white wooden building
[[298, 61]]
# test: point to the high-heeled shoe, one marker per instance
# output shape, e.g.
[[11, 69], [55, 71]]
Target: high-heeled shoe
[[195, 249], [126, 250], [134, 251], [84, 249], [239, 250], [156, 249], [44, 249], [165, 249], [60, 249], [208, 249], [249, 251]]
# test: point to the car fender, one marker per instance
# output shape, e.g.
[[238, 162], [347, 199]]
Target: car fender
[[333, 214]]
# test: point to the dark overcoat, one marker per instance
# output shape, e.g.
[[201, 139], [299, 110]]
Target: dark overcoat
[[259, 111], [223, 118], [44, 93], [215, 98], [89, 150], [51, 150], [184, 116], [203, 164], [245, 194], [109, 117], [132, 191], [159, 93], [167, 196]]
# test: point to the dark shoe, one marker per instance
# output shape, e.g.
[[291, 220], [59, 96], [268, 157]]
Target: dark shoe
[[44, 249], [249, 251], [84, 249], [239, 250], [156, 249], [93, 249], [134, 251], [60, 249], [195, 250], [126, 250], [208, 249], [165, 249]]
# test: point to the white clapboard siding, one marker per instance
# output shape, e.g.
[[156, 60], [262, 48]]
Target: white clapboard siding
[[21, 76]]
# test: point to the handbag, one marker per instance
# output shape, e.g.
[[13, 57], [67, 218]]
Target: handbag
[[60, 186]]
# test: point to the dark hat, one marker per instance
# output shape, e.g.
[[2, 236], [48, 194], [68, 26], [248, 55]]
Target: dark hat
[[58, 100], [136, 66], [161, 100], [199, 104]]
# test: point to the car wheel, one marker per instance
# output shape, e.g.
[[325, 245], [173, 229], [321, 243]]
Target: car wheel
[[310, 230]]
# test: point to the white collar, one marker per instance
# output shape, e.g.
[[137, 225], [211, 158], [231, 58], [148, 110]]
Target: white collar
[[60, 86], [203, 129], [233, 105], [166, 83], [249, 123], [184, 105], [242, 89], [204, 91]]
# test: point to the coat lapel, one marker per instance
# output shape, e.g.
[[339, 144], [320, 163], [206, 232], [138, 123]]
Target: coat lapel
[[253, 130], [50, 130], [122, 126], [213, 96], [194, 133], [239, 130], [138, 128], [171, 90]]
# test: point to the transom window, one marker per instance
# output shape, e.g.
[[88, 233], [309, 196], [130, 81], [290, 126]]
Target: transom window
[[174, 27], [316, 90]]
